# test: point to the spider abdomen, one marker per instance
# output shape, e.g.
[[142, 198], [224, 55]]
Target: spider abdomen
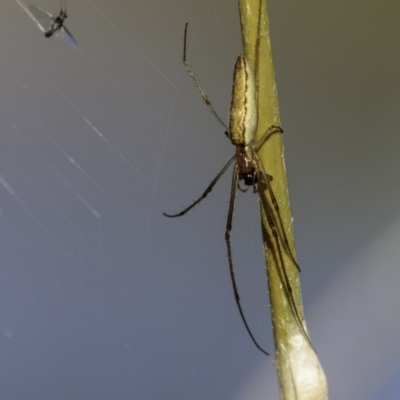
[[243, 112]]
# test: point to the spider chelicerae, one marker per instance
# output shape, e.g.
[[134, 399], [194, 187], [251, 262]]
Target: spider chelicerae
[[249, 168]]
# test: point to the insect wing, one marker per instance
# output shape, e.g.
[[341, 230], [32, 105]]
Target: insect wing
[[43, 19], [64, 34]]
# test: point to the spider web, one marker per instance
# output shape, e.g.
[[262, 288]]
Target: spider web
[[100, 295], [83, 173], [60, 130]]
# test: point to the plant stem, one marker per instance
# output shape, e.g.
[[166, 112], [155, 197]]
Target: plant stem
[[300, 374]]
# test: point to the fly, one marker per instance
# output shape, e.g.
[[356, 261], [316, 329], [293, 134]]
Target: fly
[[50, 25]]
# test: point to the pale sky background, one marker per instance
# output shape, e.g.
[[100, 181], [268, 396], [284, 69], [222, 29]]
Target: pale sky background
[[101, 297]]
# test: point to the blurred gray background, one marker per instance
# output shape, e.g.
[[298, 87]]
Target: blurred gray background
[[101, 297]]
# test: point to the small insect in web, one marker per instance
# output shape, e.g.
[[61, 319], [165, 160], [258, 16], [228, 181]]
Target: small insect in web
[[249, 168], [50, 25]]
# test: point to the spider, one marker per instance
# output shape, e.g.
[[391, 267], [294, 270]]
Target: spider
[[247, 167]]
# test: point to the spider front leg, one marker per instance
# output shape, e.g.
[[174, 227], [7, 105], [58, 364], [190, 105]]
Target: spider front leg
[[228, 246], [196, 82]]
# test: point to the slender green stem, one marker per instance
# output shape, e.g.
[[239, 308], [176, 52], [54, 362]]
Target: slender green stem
[[299, 371]]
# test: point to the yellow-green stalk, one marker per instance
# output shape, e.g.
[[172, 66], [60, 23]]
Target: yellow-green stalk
[[300, 374]]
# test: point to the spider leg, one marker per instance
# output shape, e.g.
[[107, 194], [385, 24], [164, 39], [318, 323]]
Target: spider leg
[[228, 246], [267, 179], [282, 269], [205, 193], [268, 133], [205, 98], [257, 58]]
